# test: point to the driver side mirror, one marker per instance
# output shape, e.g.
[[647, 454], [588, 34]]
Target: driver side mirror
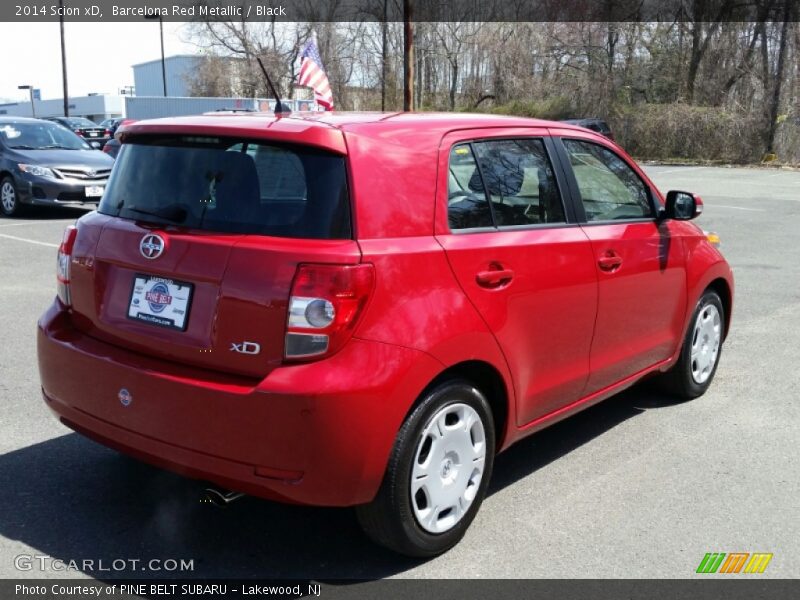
[[682, 206]]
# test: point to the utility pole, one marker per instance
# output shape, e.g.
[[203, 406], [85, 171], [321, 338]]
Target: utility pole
[[157, 15], [65, 91], [408, 56], [30, 95], [385, 26]]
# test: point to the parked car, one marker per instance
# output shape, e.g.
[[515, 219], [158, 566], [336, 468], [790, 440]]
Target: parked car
[[42, 163], [112, 148], [363, 309], [88, 130], [113, 145], [114, 124], [595, 124]]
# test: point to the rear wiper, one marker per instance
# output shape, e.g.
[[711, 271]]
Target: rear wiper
[[173, 212]]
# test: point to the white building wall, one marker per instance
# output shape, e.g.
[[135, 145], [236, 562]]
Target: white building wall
[[147, 77], [97, 108]]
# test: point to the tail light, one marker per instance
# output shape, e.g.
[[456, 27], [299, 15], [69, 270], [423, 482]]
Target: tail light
[[62, 264], [107, 133], [325, 304]]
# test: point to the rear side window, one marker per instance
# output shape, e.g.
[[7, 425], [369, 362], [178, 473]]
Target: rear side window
[[521, 182], [230, 186], [610, 190], [502, 183], [467, 206]]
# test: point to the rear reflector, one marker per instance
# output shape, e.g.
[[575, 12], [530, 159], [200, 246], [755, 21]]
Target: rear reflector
[[324, 306]]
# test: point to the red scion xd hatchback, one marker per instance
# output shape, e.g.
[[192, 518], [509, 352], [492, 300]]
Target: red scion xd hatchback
[[363, 309]]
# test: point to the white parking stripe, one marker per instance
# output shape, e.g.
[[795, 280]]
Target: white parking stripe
[[678, 170], [19, 239], [21, 223], [736, 207]]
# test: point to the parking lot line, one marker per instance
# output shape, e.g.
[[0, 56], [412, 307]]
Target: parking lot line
[[19, 239], [737, 207], [678, 170], [21, 223]]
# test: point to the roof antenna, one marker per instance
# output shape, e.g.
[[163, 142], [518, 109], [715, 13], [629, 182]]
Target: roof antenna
[[280, 107]]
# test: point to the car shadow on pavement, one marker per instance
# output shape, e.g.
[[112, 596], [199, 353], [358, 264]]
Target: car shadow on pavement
[[540, 449], [73, 500]]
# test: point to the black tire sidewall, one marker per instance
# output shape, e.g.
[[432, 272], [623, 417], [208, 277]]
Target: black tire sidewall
[[421, 542], [692, 388]]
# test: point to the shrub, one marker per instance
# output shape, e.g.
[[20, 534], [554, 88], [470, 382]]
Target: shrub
[[670, 131]]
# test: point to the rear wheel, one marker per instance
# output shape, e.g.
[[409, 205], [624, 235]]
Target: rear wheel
[[9, 200], [437, 475], [694, 371]]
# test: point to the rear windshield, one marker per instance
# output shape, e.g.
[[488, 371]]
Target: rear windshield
[[230, 186]]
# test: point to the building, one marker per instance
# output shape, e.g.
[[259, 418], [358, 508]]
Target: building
[[149, 101], [96, 107], [148, 80]]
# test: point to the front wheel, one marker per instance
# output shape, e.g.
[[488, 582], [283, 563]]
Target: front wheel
[[437, 475], [692, 374], [9, 200]]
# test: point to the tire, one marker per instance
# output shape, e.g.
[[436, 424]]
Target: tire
[[9, 199], [404, 518], [697, 363]]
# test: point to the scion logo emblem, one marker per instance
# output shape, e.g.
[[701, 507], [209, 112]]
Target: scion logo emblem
[[152, 246], [125, 397]]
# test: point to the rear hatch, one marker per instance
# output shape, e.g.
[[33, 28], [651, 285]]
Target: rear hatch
[[196, 242]]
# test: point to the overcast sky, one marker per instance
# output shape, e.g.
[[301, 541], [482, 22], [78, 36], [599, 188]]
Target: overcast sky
[[99, 55]]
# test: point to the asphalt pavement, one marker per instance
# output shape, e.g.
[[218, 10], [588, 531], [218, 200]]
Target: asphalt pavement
[[639, 486]]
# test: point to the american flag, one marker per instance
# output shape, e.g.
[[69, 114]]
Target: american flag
[[312, 75]]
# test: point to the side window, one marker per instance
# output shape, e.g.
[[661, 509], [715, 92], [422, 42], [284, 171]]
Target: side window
[[609, 188], [520, 181], [467, 206]]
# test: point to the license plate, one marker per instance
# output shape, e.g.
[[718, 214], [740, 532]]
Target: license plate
[[94, 191], [93, 134], [160, 301]]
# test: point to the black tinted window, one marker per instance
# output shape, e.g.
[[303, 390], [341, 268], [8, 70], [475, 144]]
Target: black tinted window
[[230, 186], [610, 189], [520, 181], [467, 206]]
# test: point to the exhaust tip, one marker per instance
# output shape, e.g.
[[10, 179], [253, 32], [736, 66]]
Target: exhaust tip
[[220, 497]]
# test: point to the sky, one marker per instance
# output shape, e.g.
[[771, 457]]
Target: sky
[[99, 55]]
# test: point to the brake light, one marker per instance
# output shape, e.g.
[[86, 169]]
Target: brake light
[[107, 133], [62, 265], [325, 304]]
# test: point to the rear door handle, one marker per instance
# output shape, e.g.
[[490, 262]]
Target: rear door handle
[[494, 277], [610, 261]]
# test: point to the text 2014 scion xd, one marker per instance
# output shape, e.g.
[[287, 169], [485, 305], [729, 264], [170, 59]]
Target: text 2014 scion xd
[[363, 309]]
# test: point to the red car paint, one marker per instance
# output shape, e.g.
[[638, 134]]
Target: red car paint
[[560, 317]]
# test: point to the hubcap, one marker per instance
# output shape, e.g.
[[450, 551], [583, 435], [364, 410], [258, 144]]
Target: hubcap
[[448, 467], [8, 197], [705, 343]]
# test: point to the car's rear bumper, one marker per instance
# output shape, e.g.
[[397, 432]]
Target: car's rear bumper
[[317, 433]]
